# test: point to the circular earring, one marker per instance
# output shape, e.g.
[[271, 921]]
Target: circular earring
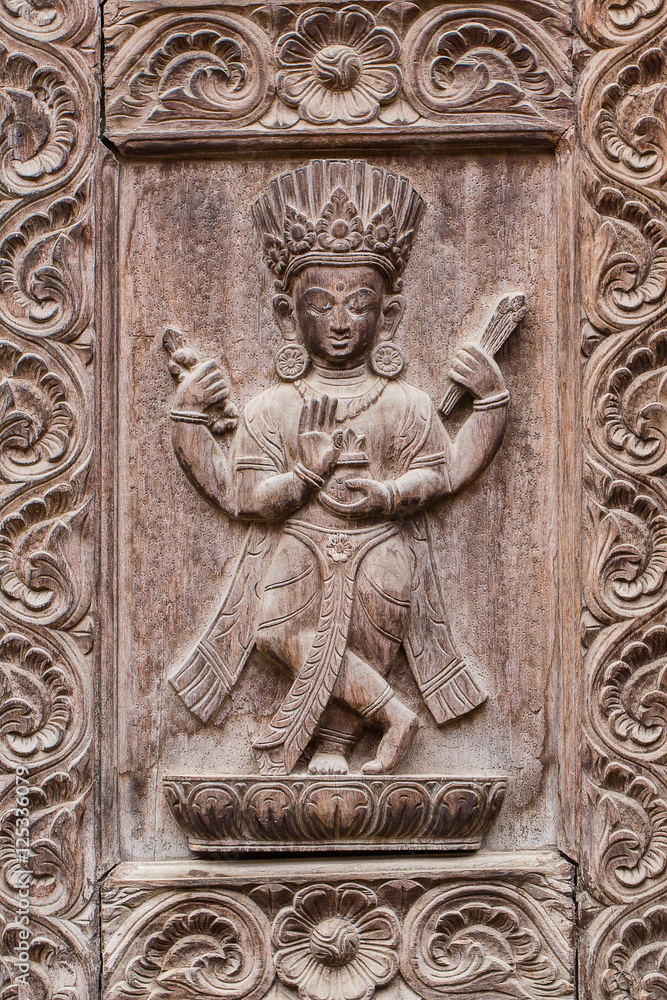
[[292, 361], [387, 360]]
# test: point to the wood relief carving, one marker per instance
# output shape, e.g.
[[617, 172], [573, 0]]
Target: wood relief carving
[[255, 815], [48, 151], [317, 458], [296, 76], [498, 931], [624, 863], [267, 74]]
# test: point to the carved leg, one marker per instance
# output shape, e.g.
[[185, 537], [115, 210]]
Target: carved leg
[[379, 617], [367, 692], [336, 735]]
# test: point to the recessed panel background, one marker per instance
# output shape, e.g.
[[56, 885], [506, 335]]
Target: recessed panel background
[[189, 256]]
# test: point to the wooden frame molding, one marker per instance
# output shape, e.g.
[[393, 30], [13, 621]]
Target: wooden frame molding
[[607, 62]]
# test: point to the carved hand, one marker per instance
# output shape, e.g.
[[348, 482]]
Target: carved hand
[[319, 443], [377, 498], [205, 386], [476, 371]]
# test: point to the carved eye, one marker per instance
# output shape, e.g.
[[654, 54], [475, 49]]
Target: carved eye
[[319, 301], [361, 301]]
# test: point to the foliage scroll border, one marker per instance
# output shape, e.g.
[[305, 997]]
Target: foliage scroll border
[[623, 233], [49, 158]]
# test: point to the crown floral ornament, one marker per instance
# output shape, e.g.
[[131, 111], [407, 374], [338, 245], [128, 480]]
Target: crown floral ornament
[[338, 211]]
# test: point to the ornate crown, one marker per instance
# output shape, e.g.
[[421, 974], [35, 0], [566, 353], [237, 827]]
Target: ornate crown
[[338, 211]]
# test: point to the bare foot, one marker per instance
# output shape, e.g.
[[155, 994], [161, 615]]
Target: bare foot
[[328, 763], [401, 726]]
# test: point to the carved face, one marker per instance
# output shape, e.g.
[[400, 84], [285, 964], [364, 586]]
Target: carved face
[[339, 311]]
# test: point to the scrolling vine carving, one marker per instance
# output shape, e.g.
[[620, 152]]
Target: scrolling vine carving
[[211, 77], [625, 690], [48, 154]]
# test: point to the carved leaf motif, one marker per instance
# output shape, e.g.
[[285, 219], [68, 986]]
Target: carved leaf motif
[[628, 553], [44, 556], [36, 419], [495, 64], [190, 74], [214, 949], [485, 68], [635, 965], [36, 705], [49, 18], [633, 695], [37, 120], [633, 411], [631, 121], [42, 270], [464, 947], [629, 258], [198, 71], [628, 824], [625, 14], [56, 863]]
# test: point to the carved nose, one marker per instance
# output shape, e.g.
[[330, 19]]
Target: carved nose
[[339, 321]]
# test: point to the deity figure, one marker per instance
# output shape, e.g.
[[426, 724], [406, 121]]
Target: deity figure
[[333, 469]]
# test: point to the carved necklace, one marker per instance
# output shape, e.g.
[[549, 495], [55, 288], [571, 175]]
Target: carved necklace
[[354, 405]]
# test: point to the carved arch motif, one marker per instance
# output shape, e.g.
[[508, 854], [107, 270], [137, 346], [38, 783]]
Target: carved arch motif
[[484, 61], [212, 68]]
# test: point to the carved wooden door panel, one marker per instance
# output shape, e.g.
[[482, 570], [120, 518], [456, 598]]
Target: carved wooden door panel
[[333, 530]]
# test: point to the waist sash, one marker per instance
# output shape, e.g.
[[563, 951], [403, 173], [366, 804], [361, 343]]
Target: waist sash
[[339, 554]]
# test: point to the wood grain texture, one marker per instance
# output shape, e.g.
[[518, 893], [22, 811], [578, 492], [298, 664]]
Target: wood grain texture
[[178, 206]]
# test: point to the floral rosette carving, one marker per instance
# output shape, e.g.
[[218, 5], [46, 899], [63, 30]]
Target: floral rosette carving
[[338, 66], [335, 941]]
